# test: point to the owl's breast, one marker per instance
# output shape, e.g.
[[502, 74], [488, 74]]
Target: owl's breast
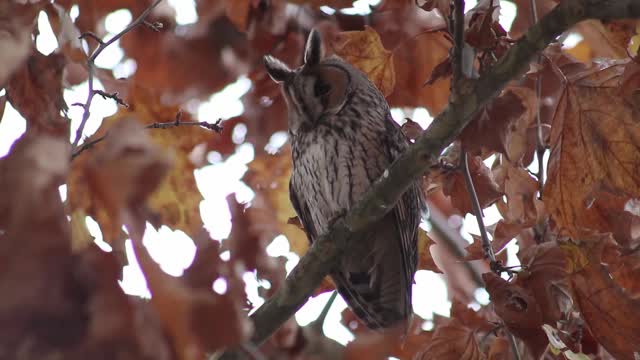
[[333, 171]]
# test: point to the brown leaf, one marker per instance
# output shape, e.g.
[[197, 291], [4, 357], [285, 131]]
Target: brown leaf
[[183, 67], [364, 50], [522, 205], [452, 341], [519, 310], [414, 61], [594, 145], [35, 90], [490, 129], [609, 312], [484, 30], [483, 181], [441, 71], [17, 22], [544, 275], [411, 129], [443, 6], [500, 349], [425, 260]]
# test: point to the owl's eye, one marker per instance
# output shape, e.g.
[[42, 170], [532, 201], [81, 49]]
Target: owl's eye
[[321, 88]]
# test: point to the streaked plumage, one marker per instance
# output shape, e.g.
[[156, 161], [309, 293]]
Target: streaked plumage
[[343, 138]]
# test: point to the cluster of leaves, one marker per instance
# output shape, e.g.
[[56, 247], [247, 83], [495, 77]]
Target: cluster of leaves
[[575, 295]]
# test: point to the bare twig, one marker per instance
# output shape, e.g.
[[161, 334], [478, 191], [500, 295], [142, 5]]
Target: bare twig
[[421, 156], [91, 66], [319, 322], [540, 146], [217, 127], [113, 96], [477, 211]]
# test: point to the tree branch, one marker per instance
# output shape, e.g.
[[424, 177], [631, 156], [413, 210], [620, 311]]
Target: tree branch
[[91, 69], [423, 154]]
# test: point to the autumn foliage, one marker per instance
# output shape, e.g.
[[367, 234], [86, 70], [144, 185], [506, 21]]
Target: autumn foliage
[[556, 155]]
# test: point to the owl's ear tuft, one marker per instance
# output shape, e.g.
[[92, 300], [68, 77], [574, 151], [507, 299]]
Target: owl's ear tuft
[[278, 70], [313, 49]]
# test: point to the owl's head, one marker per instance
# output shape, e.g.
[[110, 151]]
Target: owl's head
[[316, 90]]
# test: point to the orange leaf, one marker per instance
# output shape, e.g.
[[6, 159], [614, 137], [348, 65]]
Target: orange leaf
[[594, 145], [364, 50]]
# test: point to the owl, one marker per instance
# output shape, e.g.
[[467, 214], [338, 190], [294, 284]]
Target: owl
[[342, 139]]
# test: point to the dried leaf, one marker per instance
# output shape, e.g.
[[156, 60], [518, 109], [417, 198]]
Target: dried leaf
[[594, 145], [452, 341], [495, 122], [35, 90], [610, 314], [483, 181], [519, 310], [15, 40], [425, 260], [364, 50]]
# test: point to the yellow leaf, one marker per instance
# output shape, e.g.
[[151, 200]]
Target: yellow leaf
[[364, 50]]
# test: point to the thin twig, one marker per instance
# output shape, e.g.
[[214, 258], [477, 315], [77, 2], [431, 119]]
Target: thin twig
[[91, 66], [319, 322], [477, 211], [87, 145], [113, 96], [207, 125], [217, 127], [514, 345], [540, 147]]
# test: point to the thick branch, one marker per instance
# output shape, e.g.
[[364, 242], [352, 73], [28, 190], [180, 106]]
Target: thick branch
[[423, 154]]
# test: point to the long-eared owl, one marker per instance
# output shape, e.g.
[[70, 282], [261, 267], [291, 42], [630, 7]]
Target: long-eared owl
[[343, 138]]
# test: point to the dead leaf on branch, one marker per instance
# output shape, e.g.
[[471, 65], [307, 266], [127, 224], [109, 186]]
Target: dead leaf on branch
[[595, 142], [364, 50], [425, 260], [16, 23], [452, 341], [519, 311], [609, 312], [484, 183], [35, 91]]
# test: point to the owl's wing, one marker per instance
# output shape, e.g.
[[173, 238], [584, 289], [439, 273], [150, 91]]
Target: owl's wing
[[407, 210], [301, 208]]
